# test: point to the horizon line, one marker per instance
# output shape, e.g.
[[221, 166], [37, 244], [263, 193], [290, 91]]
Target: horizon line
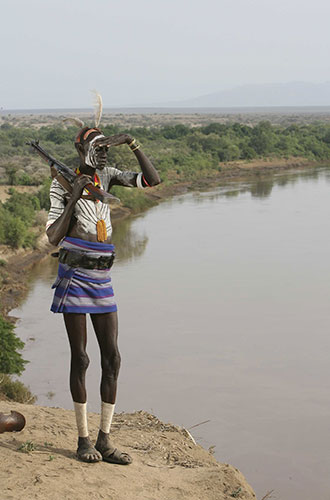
[[4, 111]]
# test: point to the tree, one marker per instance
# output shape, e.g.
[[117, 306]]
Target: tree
[[43, 194], [22, 205], [56, 135], [15, 230], [11, 361], [262, 140], [11, 172]]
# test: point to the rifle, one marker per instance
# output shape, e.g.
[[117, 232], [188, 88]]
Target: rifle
[[59, 169]]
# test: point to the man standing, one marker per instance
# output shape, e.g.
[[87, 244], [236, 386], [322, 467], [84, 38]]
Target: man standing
[[83, 286]]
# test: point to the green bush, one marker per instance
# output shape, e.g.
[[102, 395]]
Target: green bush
[[15, 390], [15, 231], [17, 215], [22, 205], [133, 199], [11, 360], [43, 194]]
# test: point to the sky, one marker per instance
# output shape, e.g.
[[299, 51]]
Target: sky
[[138, 53]]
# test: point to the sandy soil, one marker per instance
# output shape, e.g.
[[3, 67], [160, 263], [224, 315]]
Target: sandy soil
[[167, 464]]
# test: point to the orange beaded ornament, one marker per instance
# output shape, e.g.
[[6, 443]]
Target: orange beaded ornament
[[101, 229]]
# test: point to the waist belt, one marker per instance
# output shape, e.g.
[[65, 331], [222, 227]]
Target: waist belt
[[77, 259]]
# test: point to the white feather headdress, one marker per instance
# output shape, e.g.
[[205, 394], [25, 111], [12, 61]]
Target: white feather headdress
[[98, 106], [76, 121]]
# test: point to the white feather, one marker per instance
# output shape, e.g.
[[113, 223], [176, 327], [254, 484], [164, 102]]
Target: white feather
[[97, 107], [76, 121]]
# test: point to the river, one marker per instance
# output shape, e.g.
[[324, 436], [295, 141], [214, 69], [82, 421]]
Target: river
[[224, 316]]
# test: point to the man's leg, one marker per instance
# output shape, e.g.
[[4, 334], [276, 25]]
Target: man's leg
[[106, 329], [76, 328]]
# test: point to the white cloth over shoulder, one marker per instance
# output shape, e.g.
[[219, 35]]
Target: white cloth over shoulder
[[87, 212]]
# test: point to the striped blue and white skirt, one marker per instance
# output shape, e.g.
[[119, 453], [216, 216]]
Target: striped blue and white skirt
[[79, 290]]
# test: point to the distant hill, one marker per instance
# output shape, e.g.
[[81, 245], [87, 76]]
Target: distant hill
[[272, 94]]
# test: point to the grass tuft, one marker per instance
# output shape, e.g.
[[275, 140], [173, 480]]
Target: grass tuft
[[27, 447]]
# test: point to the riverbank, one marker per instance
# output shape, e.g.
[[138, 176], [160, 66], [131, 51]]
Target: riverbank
[[238, 171], [18, 264], [167, 463]]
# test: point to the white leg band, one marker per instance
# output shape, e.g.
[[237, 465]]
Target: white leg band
[[107, 411], [139, 181], [81, 418]]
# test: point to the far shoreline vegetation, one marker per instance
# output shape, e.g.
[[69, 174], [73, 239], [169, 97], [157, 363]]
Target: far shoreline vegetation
[[181, 153], [197, 155]]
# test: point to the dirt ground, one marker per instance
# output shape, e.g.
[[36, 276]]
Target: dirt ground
[[167, 464]]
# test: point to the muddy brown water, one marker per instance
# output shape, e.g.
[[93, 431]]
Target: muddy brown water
[[224, 316]]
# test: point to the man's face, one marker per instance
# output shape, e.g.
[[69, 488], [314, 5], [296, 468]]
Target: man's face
[[100, 155], [95, 155]]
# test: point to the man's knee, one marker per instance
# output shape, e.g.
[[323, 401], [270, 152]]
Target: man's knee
[[80, 361], [111, 365]]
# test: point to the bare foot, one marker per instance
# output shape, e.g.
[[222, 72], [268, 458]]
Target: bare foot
[[109, 453], [86, 452]]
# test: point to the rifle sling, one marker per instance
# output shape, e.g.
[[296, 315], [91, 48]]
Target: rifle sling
[[64, 183]]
